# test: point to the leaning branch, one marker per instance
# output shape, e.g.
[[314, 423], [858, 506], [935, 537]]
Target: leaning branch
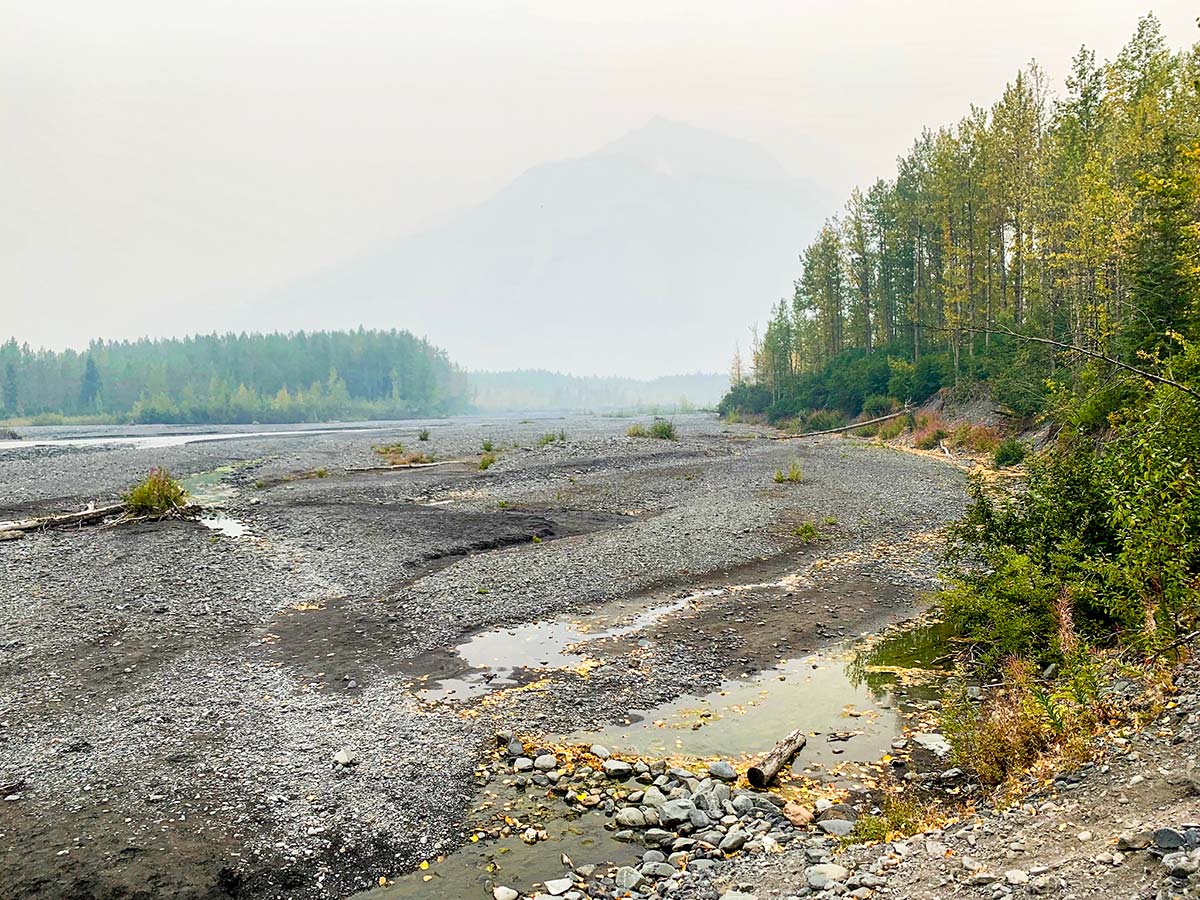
[[792, 437], [87, 516], [1084, 351]]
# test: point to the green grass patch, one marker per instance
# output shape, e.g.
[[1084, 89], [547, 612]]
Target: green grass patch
[[158, 495], [793, 475]]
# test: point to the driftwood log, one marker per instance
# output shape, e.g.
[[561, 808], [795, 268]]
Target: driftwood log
[[763, 772], [88, 516], [428, 465]]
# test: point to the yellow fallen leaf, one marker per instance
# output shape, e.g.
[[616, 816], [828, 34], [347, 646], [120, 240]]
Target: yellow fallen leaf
[[424, 865]]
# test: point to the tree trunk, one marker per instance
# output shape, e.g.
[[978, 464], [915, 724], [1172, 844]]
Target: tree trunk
[[763, 772]]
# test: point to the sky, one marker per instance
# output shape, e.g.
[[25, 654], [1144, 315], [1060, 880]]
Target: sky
[[162, 163]]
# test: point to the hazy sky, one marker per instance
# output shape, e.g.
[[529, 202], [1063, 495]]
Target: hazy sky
[[161, 162]]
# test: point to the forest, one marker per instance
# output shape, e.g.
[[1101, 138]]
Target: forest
[[295, 377], [1008, 249]]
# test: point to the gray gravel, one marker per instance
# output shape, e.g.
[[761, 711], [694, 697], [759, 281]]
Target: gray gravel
[[173, 699]]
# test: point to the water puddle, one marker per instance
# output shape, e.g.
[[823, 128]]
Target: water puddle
[[224, 525], [852, 699], [212, 491], [471, 871], [506, 657]]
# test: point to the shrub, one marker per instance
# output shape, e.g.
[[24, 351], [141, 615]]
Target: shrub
[[486, 461], [158, 495], [794, 474], [663, 429], [638, 430], [898, 817], [976, 438], [892, 429], [930, 431], [423, 434], [548, 438], [1010, 452], [488, 446], [321, 472], [878, 405], [807, 533], [823, 420]]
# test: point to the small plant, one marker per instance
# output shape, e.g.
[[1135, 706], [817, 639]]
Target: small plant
[[807, 533], [321, 472], [259, 484], [482, 590], [396, 449], [663, 429], [488, 445], [486, 461], [423, 434], [794, 474], [829, 521], [637, 430], [548, 438], [898, 817], [158, 495], [502, 504], [1011, 452], [562, 435], [536, 539]]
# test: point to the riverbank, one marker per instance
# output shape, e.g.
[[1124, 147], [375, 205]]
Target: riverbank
[[175, 699]]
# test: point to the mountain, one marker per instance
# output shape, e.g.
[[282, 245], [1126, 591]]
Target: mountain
[[640, 258]]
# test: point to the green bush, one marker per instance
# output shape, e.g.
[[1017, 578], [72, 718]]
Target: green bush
[[807, 533], [1011, 452], [423, 434], [878, 405], [663, 429], [158, 495], [488, 446], [486, 461], [824, 420]]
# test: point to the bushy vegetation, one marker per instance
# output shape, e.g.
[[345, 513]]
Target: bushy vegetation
[[807, 533], [663, 429], [551, 437], [488, 445], [794, 474], [396, 455], [158, 495], [423, 434], [295, 377], [1009, 452], [487, 461]]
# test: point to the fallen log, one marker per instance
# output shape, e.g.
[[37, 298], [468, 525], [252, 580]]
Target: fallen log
[[887, 418], [60, 520], [767, 769], [429, 465]]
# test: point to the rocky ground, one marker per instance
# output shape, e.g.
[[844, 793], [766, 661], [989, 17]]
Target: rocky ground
[[186, 713]]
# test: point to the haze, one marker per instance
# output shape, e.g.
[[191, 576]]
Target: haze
[[170, 167]]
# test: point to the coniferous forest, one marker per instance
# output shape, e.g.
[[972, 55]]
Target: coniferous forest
[[1068, 218], [297, 377]]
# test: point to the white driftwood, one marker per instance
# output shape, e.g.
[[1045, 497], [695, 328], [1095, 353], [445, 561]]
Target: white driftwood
[[60, 520], [808, 434]]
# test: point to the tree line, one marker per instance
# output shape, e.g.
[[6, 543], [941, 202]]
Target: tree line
[[1071, 219], [293, 377]]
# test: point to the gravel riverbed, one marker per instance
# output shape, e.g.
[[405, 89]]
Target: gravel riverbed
[[174, 699]]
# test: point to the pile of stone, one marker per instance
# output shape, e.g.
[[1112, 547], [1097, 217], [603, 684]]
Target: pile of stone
[[686, 821]]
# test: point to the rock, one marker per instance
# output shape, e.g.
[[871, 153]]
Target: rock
[[629, 878], [738, 895], [1168, 839], [675, 811], [631, 817], [658, 836], [722, 770], [522, 764], [800, 816], [658, 870], [556, 887], [824, 874], [652, 796], [619, 769], [504, 893], [546, 762], [1016, 876], [599, 751], [733, 841], [345, 758], [836, 827], [837, 811], [934, 742], [1130, 840], [516, 748]]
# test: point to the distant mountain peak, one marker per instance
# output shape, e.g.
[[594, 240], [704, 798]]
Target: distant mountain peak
[[682, 150]]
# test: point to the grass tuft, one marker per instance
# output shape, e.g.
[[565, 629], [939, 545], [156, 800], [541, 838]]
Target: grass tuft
[[486, 461], [794, 474], [423, 434], [158, 495]]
